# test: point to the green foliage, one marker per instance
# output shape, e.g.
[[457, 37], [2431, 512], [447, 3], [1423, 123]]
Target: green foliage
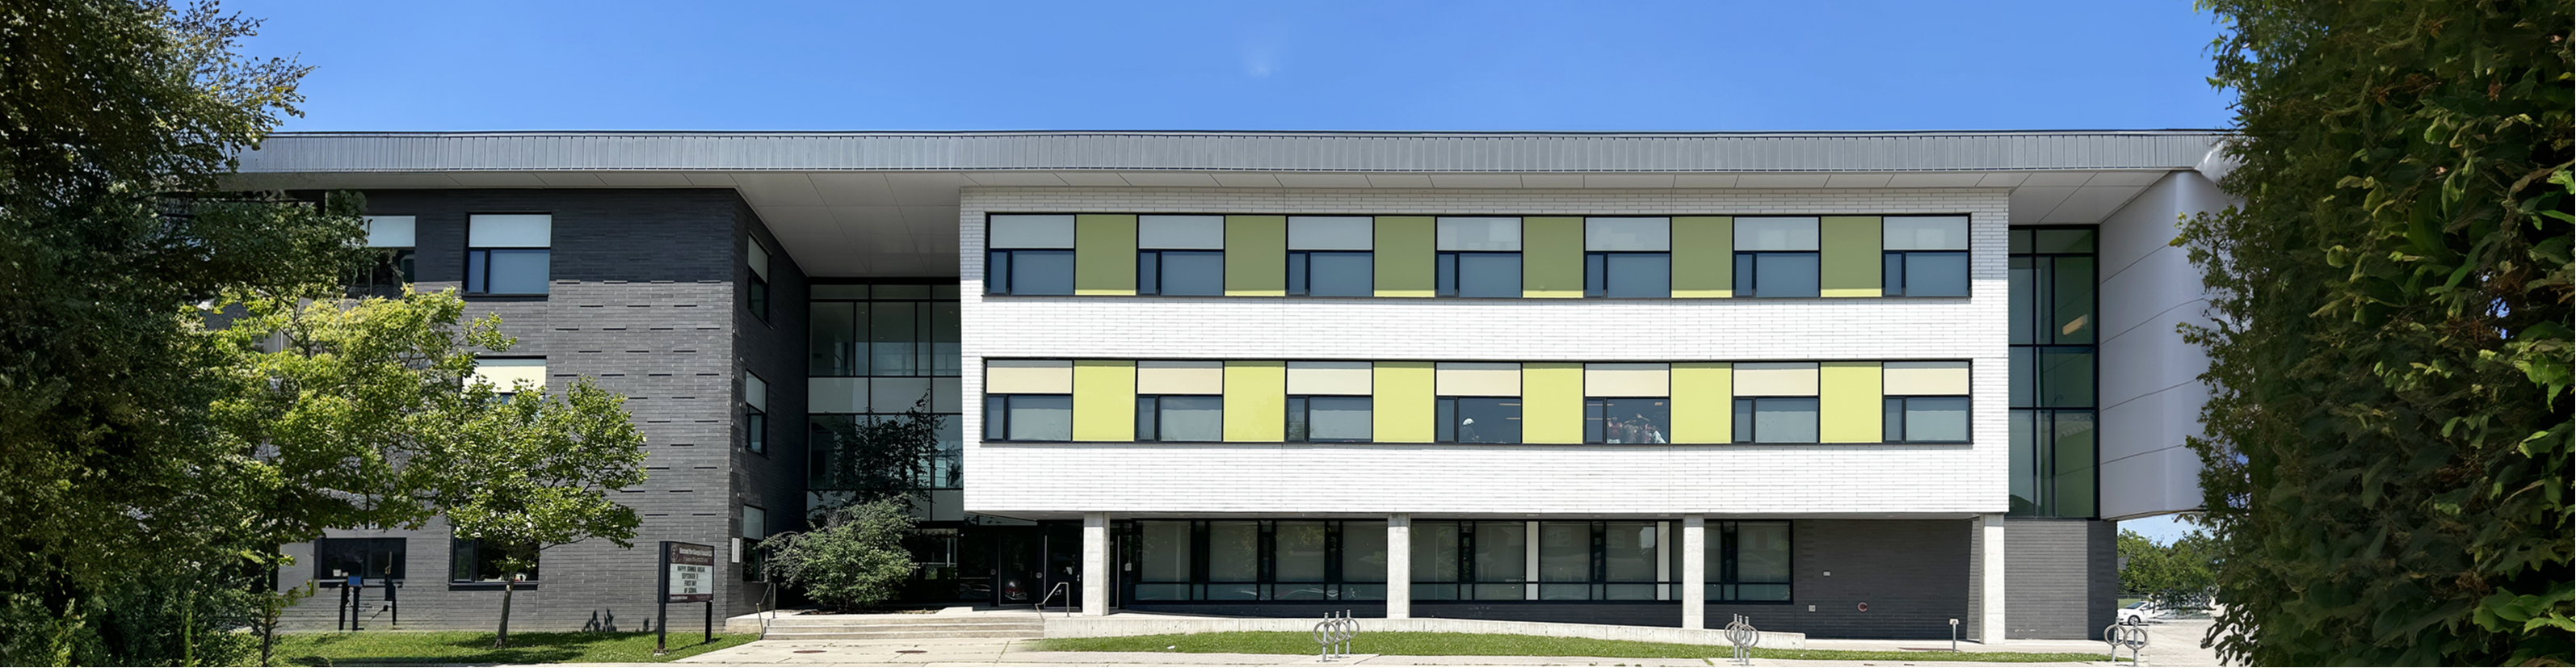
[[2388, 451], [451, 648], [2181, 573], [871, 459], [856, 560]]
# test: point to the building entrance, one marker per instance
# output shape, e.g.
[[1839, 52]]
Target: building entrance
[[1030, 563]]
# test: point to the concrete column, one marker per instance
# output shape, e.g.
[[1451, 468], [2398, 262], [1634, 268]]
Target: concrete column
[[1096, 574], [1399, 566], [1694, 572], [1989, 578]]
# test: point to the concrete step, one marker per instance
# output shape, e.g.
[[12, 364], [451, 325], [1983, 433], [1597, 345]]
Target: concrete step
[[1008, 634]]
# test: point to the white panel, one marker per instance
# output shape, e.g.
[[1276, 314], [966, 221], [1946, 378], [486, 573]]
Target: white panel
[[1180, 377], [1031, 231], [1775, 379], [1181, 232], [1627, 380], [1925, 232], [1330, 378], [896, 395], [1028, 377], [511, 375], [758, 258], [1479, 234], [1356, 233], [755, 391], [390, 232], [1775, 234], [1908, 379], [1476, 379], [836, 395], [1628, 234], [518, 230]]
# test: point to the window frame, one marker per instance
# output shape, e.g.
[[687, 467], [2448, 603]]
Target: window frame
[[1156, 412], [1748, 273], [481, 256], [1727, 548], [1892, 281], [1595, 425], [1447, 276], [1746, 432], [1301, 272], [1893, 409], [755, 427], [397, 566], [1301, 413], [1596, 273], [1009, 272], [1149, 282], [470, 554], [1001, 419], [1445, 431], [757, 298]]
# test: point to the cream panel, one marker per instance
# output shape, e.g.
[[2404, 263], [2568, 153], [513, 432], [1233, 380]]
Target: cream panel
[[1476, 379], [1628, 234], [1330, 378], [1627, 380], [1180, 377], [516, 230], [1924, 233], [1352, 233], [1924, 378], [390, 232], [1479, 234], [1775, 379], [1028, 377], [1180, 232], [1775, 234], [1025, 231], [506, 375]]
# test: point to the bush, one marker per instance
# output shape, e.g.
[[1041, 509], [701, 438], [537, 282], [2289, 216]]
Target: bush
[[855, 561]]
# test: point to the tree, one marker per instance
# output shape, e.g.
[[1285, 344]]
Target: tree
[[2386, 466], [532, 470], [2176, 574], [114, 116], [854, 561]]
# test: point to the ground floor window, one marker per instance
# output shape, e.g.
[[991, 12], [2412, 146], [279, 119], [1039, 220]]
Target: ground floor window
[[1255, 560], [480, 561], [335, 559]]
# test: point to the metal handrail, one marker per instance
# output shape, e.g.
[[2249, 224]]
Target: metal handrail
[[1067, 588]]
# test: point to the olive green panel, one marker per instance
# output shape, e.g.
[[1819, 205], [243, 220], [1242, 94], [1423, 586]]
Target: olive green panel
[[1848, 403], [1704, 257], [1403, 408], [1552, 257], [1851, 256], [1104, 255], [1256, 402], [1552, 402], [1104, 400], [1405, 258], [1703, 400], [1256, 258]]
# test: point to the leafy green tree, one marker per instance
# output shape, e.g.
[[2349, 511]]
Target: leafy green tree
[[2178, 574], [2389, 431], [855, 560], [533, 470]]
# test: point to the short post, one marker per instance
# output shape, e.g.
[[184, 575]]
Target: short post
[[662, 604], [711, 620], [1954, 634]]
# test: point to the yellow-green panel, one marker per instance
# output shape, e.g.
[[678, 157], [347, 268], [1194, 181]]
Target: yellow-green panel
[[1404, 408], [1848, 403], [1405, 258], [1552, 402], [1851, 256], [1256, 402], [1552, 258], [1703, 400], [1104, 255], [1104, 400], [1256, 257], [1704, 258]]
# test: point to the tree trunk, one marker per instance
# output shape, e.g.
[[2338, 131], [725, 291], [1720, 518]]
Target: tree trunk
[[509, 585]]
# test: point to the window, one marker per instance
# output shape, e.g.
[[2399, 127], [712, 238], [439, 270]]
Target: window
[[474, 561], [755, 526], [1775, 402], [1029, 255], [335, 559], [1478, 420], [1180, 255], [1478, 257], [1927, 420], [1314, 419], [1748, 562], [755, 413], [1627, 420], [1180, 418], [1927, 256], [757, 300], [507, 254], [509, 376], [393, 241], [1248, 560], [1028, 417], [2053, 388], [1332, 256], [1627, 257], [1777, 257]]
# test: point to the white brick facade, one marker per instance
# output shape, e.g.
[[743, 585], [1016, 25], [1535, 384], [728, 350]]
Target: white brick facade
[[1062, 480]]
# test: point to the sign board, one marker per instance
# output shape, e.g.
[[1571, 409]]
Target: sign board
[[689, 572]]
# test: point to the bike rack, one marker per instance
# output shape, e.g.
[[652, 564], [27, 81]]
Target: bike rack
[[1333, 636], [2125, 634]]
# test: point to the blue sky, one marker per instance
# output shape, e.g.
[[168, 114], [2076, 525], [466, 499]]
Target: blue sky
[[1319, 65]]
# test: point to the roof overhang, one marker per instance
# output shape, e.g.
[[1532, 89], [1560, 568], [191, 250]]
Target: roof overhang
[[886, 203]]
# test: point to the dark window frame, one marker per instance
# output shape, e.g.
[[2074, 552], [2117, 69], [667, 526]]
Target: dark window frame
[[1150, 270], [1301, 271], [1892, 282], [1748, 273], [473, 554], [999, 421], [757, 299], [1150, 405], [1446, 277], [325, 549], [2022, 245], [1595, 416], [1892, 418], [480, 256], [1445, 419], [1745, 409], [755, 420], [1301, 417], [1596, 273], [1730, 552], [1001, 274]]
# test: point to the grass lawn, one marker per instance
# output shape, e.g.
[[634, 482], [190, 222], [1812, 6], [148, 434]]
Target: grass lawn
[[1472, 644], [405, 648]]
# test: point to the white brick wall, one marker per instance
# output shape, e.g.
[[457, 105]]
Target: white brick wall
[[1730, 480]]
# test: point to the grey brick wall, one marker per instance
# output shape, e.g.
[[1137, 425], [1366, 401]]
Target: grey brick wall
[[1912, 573], [2061, 577], [645, 300], [773, 347]]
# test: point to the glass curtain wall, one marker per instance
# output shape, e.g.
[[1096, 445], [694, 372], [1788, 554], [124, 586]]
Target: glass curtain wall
[[1255, 560], [2054, 326], [874, 349]]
